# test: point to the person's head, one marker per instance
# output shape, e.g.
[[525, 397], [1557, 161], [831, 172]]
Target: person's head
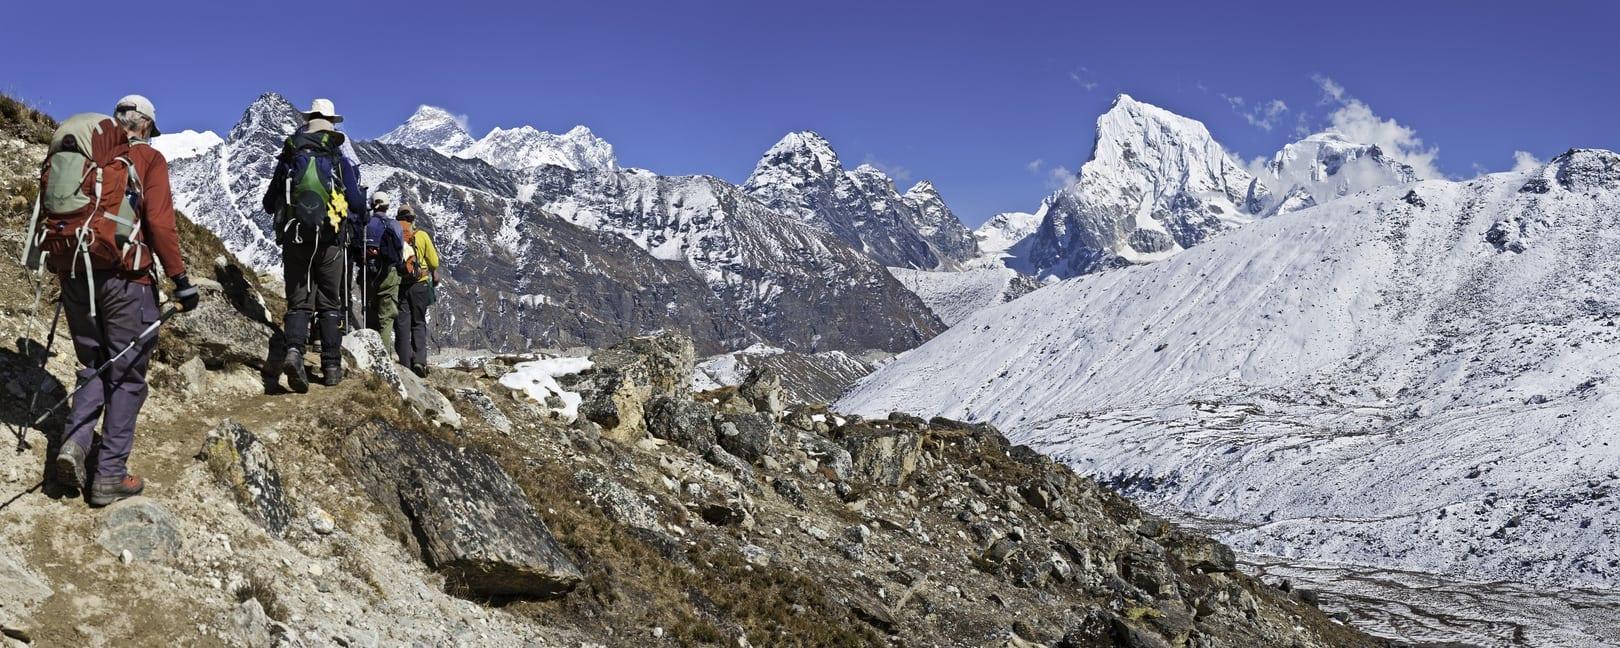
[[380, 201], [407, 214], [324, 110], [136, 116]]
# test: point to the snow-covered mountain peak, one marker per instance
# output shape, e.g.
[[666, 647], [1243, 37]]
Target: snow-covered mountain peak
[[1005, 230], [431, 127], [1322, 167], [527, 147], [1581, 169], [271, 112], [922, 191], [798, 155], [1156, 183], [872, 178]]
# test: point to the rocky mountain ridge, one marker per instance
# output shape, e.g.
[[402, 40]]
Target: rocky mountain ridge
[[548, 255], [802, 176]]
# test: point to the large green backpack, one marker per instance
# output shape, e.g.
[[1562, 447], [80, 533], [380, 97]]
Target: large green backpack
[[315, 204]]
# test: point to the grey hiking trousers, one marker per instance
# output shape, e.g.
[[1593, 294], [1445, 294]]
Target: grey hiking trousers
[[124, 309]]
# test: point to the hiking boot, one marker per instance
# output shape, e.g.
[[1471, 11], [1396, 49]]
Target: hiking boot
[[331, 376], [420, 370], [293, 366], [68, 469], [105, 491]]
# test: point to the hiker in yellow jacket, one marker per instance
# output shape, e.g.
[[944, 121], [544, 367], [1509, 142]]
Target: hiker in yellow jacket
[[416, 293]]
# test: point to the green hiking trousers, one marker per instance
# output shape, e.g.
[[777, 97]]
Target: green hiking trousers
[[382, 304]]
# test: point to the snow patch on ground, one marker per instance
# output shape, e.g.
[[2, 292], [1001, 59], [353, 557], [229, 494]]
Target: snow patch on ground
[[537, 379]]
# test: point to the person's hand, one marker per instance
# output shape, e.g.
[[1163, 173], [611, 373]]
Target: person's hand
[[185, 293]]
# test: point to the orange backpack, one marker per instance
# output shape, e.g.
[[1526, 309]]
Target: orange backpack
[[410, 264]]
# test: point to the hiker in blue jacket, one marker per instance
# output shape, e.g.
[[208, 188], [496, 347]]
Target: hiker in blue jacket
[[380, 257]]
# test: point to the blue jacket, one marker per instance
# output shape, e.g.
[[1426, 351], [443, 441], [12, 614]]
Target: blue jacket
[[382, 233]]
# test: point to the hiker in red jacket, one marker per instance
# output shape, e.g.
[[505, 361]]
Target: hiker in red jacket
[[108, 313]]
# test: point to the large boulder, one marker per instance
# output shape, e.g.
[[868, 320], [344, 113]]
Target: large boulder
[[614, 401], [461, 512], [242, 465], [662, 364], [687, 423], [230, 327], [366, 351], [749, 436], [879, 452], [763, 389]]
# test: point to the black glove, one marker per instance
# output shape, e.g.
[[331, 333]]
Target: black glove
[[185, 293]]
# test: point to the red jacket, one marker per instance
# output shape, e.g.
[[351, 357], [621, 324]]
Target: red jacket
[[157, 204]]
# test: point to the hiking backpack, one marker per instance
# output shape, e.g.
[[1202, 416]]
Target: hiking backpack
[[87, 215], [315, 205], [409, 265]]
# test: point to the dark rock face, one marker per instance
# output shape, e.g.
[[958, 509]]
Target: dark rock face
[[803, 177], [746, 435], [242, 466], [687, 423], [462, 512]]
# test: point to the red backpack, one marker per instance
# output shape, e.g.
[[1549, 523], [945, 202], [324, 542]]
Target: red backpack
[[87, 215]]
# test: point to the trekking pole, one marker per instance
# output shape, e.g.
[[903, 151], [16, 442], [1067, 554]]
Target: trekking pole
[[104, 367]]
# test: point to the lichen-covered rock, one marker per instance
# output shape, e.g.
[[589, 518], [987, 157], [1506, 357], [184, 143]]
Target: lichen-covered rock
[[242, 465], [881, 454], [141, 527], [480, 402], [687, 423], [618, 502], [661, 363], [763, 388], [615, 402], [461, 512]]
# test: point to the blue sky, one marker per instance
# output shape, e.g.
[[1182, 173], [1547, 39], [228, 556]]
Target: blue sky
[[988, 99]]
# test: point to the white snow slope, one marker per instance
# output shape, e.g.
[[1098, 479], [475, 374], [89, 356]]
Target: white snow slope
[[954, 295], [185, 144], [1419, 377]]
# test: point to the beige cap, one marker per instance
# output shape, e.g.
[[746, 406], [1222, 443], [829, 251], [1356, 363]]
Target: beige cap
[[141, 105], [323, 109]]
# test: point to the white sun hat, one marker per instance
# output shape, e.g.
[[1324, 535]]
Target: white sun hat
[[323, 109]]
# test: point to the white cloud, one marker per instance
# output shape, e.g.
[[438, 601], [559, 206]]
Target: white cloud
[[1263, 115], [1331, 90], [1525, 161], [1357, 121], [1084, 78], [895, 172], [462, 121], [1056, 177]]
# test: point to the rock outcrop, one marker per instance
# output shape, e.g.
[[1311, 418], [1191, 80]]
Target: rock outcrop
[[461, 511]]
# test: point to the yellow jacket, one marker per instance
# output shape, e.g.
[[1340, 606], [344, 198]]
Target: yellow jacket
[[427, 257]]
